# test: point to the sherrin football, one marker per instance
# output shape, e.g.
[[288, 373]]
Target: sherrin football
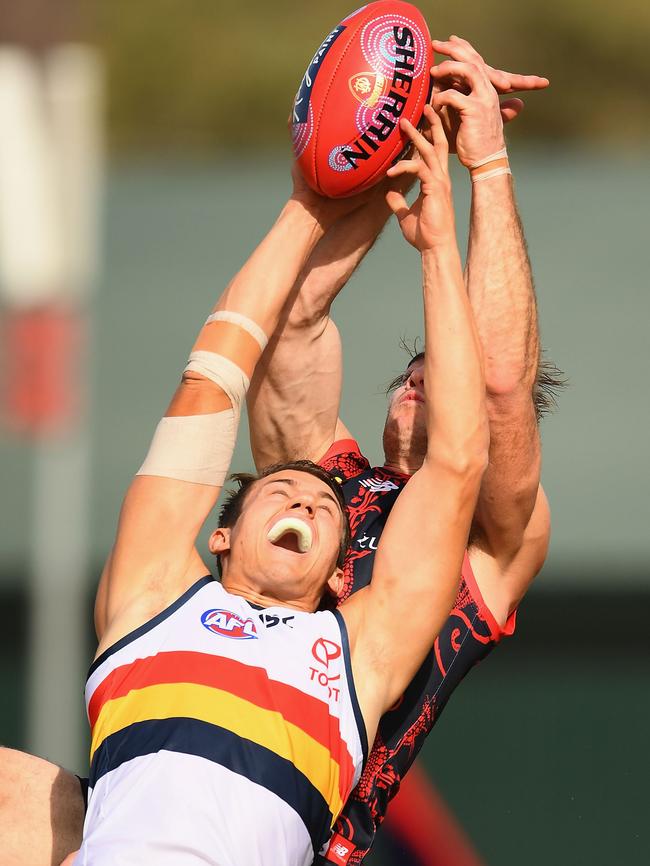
[[372, 70]]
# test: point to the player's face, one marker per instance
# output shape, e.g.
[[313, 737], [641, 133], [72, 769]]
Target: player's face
[[405, 429], [286, 541]]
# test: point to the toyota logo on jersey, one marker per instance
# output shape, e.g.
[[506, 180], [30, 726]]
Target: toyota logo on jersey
[[325, 651], [229, 624]]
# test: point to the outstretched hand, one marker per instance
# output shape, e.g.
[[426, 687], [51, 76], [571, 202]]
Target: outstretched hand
[[429, 221], [466, 94], [360, 217], [326, 210]]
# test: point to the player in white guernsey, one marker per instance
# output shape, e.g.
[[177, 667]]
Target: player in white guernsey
[[230, 721]]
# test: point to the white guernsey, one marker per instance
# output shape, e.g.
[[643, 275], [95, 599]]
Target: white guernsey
[[219, 695]]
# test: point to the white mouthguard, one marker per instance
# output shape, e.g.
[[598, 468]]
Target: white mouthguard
[[298, 527]]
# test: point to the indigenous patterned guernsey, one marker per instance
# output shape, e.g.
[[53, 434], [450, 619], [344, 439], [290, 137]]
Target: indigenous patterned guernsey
[[222, 733], [468, 636]]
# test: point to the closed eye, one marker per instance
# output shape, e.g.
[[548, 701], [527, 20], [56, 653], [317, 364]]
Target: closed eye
[[275, 489]]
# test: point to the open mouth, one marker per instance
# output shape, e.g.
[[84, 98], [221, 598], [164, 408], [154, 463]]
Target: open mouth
[[291, 533]]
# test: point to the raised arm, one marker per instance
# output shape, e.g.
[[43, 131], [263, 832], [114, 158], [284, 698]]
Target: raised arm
[[293, 402], [154, 558], [393, 622], [511, 525], [294, 398]]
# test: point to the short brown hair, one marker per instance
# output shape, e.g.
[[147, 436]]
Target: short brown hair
[[234, 502]]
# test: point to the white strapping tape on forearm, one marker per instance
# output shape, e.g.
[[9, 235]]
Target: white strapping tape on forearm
[[196, 448], [500, 154], [504, 169], [243, 321], [223, 372], [199, 448]]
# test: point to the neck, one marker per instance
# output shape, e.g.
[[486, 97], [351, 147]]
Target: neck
[[406, 460], [266, 599], [404, 451]]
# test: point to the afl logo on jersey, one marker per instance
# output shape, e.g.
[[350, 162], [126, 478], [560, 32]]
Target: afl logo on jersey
[[229, 624]]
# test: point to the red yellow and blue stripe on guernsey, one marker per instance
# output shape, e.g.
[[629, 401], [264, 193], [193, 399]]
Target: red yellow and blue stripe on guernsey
[[230, 712]]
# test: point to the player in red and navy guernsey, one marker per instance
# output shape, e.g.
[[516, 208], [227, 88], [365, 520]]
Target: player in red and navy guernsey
[[467, 637], [294, 407]]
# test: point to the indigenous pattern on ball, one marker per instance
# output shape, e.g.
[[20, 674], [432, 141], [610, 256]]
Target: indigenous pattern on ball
[[337, 161], [371, 71], [379, 44], [367, 117], [301, 133]]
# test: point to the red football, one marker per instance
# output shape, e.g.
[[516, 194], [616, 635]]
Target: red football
[[372, 70]]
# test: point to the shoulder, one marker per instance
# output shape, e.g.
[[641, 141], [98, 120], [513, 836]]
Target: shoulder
[[344, 458]]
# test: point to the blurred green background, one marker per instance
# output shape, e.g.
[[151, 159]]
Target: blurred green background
[[220, 76], [542, 753]]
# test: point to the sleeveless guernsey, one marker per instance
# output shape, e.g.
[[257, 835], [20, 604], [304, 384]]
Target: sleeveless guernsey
[[223, 734], [468, 636]]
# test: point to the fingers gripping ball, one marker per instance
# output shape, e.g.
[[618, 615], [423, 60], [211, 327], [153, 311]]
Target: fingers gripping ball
[[372, 70]]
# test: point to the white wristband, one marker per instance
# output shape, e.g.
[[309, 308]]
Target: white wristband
[[504, 169], [500, 154]]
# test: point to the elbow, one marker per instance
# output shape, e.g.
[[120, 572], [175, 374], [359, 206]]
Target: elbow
[[507, 380], [468, 460], [472, 465], [459, 443], [508, 398], [477, 447], [467, 473], [504, 386]]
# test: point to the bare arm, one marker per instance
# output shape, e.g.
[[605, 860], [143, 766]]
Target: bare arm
[[294, 399], [154, 558], [417, 566], [511, 526], [293, 402], [501, 292]]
